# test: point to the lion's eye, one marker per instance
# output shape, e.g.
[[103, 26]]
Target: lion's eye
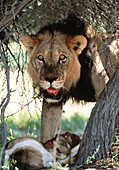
[[40, 58], [62, 58]]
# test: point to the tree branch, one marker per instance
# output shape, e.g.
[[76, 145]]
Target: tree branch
[[4, 104], [8, 19]]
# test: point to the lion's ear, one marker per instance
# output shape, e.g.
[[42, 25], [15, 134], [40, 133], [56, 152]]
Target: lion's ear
[[78, 43], [29, 41]]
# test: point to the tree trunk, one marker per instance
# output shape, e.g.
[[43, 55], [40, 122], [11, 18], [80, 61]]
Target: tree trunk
[[99, 133], [50, 120]]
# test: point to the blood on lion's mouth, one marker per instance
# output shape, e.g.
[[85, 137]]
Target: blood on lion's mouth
[[51, 90], [53, 95]]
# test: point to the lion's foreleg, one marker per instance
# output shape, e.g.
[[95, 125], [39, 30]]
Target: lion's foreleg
[[50, 119]]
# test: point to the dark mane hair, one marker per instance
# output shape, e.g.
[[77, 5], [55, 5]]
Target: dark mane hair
[[70, 26]]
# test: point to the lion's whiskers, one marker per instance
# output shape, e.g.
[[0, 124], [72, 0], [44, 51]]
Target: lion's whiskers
[[65, 88]]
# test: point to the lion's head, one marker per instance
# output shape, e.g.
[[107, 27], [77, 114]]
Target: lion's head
[[53, 63]]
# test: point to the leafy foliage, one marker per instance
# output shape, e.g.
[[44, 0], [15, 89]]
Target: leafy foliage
[[76, 124]]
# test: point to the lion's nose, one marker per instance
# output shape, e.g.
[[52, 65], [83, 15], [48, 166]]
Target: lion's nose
[[50, 79]]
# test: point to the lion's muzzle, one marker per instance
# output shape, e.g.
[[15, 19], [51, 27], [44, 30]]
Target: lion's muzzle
[[53, 88]]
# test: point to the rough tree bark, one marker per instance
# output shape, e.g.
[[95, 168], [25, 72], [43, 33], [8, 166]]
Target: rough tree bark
[[50, 120], [99, 133]]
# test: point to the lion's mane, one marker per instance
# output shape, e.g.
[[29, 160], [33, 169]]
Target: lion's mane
[[85, 88]]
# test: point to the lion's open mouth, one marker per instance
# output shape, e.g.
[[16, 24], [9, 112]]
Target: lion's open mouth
[[53, 95], [53, 91]]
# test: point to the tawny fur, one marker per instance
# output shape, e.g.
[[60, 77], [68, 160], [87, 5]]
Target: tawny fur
[[83, 75]]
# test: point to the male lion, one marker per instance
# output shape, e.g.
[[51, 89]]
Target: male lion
[[63, 63]]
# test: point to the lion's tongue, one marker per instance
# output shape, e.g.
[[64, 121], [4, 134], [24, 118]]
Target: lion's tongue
[[52, 91]]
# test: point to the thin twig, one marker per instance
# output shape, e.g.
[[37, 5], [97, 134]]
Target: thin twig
[[11, 17], [4, 104]]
